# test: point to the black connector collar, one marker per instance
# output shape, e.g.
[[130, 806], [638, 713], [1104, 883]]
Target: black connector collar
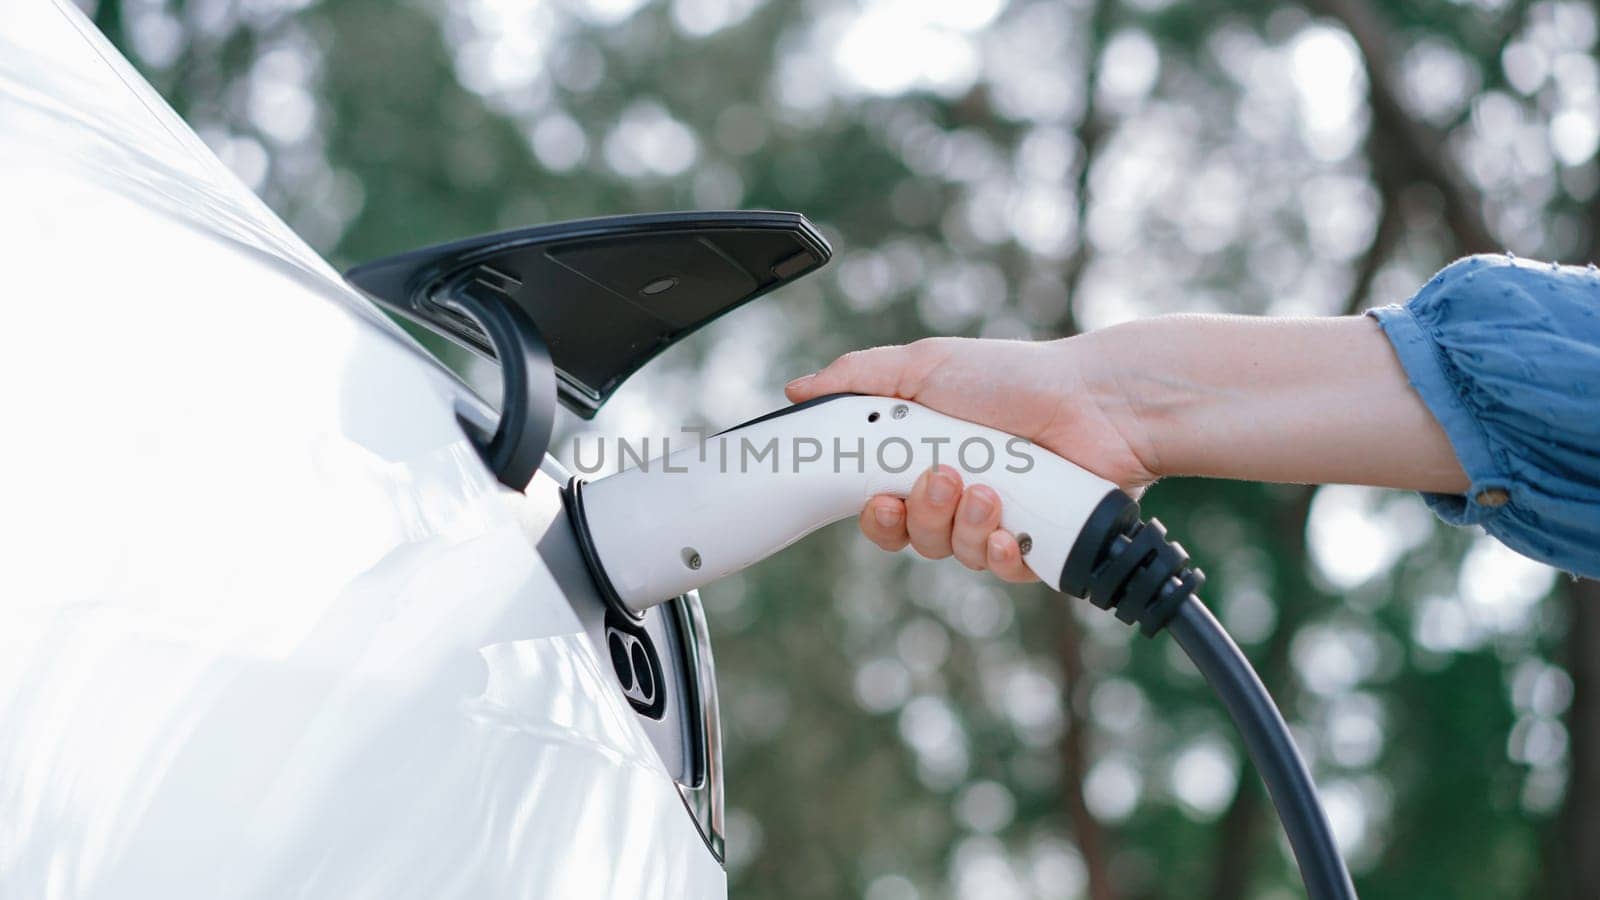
[[1129, 567], [572, 497]]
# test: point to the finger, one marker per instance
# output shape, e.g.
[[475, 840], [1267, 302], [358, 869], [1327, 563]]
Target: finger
[[876, 371], [930, 509], [883, 521], [977, 516], [1005, 559]]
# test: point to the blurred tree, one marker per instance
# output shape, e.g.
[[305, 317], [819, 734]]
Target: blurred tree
[[1024, 169]]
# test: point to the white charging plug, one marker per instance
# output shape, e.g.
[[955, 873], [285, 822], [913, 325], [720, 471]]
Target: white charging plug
[[710, 509]]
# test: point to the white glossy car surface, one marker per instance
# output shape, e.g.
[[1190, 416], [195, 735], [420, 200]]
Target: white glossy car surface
[[268, 627]]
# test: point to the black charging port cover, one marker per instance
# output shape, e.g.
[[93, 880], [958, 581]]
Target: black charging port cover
[[605, 294]]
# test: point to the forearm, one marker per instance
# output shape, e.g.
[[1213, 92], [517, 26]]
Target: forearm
[[1264, 399]]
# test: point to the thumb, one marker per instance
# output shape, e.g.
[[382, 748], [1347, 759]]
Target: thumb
[[877, 371]]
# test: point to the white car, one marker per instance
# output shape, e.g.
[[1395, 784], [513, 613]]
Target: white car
[[270, 624]]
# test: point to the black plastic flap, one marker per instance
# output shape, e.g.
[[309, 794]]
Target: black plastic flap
[[606, 294]]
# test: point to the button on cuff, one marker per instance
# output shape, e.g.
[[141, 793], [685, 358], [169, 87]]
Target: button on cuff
[[1492, 497]]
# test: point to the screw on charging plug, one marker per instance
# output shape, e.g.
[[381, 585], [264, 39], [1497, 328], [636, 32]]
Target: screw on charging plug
[[1024, 542], [901, 410], [691, 557]]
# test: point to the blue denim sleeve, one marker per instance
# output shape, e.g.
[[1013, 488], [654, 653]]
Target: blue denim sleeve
[[1506, 355]]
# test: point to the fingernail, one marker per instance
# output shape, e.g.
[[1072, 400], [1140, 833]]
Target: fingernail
[[886, 516], [977, 508], [799, 383], [997, 545], [941, 490]]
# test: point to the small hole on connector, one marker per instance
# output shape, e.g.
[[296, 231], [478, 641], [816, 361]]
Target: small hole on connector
[[872, 416]]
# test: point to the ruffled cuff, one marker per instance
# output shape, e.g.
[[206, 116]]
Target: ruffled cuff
[[1441, 386]]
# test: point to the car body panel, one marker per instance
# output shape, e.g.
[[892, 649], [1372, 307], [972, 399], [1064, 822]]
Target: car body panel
[[269, 626]]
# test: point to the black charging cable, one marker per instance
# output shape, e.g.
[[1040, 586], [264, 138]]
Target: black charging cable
[[1129, 567]]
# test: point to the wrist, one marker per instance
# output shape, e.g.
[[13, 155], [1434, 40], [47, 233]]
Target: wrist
[[1125, 384]]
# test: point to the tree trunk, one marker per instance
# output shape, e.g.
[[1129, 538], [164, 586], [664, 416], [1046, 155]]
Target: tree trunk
[[1580, 816], [1422, 147], [1239, 833], [1579, 826], [1086, 829]]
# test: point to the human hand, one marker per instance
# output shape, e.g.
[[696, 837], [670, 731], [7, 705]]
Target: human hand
[[1057, 394]]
